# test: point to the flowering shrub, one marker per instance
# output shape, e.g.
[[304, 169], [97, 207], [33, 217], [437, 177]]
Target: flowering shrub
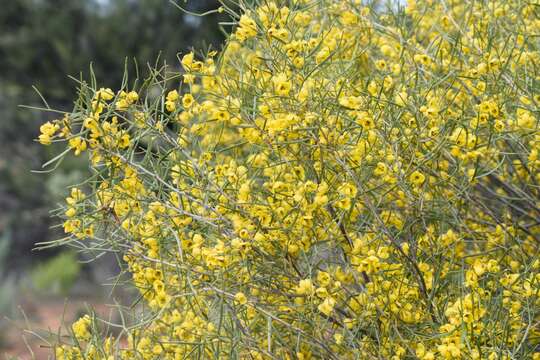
[[341, 182]]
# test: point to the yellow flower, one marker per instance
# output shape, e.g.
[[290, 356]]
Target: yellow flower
[[327, 306], [132, 97], [187, 100], [171, 99], [81, 328], [305, 287], [282, 85], [47, 132], [417, 178], [364, 119], [71, 212], [78, 144], [104, 94], [124, 141], [240, 298], [247, 28], [187, 61]]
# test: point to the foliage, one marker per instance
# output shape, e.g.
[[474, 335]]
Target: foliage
[[56, 275], [341, 182]]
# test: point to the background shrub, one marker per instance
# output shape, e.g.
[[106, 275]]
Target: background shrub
[[56, 275]]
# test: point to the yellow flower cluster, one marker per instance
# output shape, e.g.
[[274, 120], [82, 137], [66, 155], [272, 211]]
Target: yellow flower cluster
[[81, 328], [341, 182]]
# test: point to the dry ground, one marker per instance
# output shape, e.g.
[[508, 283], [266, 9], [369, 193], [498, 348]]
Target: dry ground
[[45, 319]]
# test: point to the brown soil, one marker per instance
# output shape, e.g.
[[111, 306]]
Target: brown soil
[[46, 321]]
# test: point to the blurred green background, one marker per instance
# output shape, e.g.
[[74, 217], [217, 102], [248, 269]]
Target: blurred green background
[[42, 43]]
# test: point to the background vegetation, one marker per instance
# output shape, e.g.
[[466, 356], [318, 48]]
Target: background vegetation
[[46, 44], [41, 43]]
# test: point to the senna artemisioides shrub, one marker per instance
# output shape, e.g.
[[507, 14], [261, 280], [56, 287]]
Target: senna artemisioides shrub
[[341, 181]]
